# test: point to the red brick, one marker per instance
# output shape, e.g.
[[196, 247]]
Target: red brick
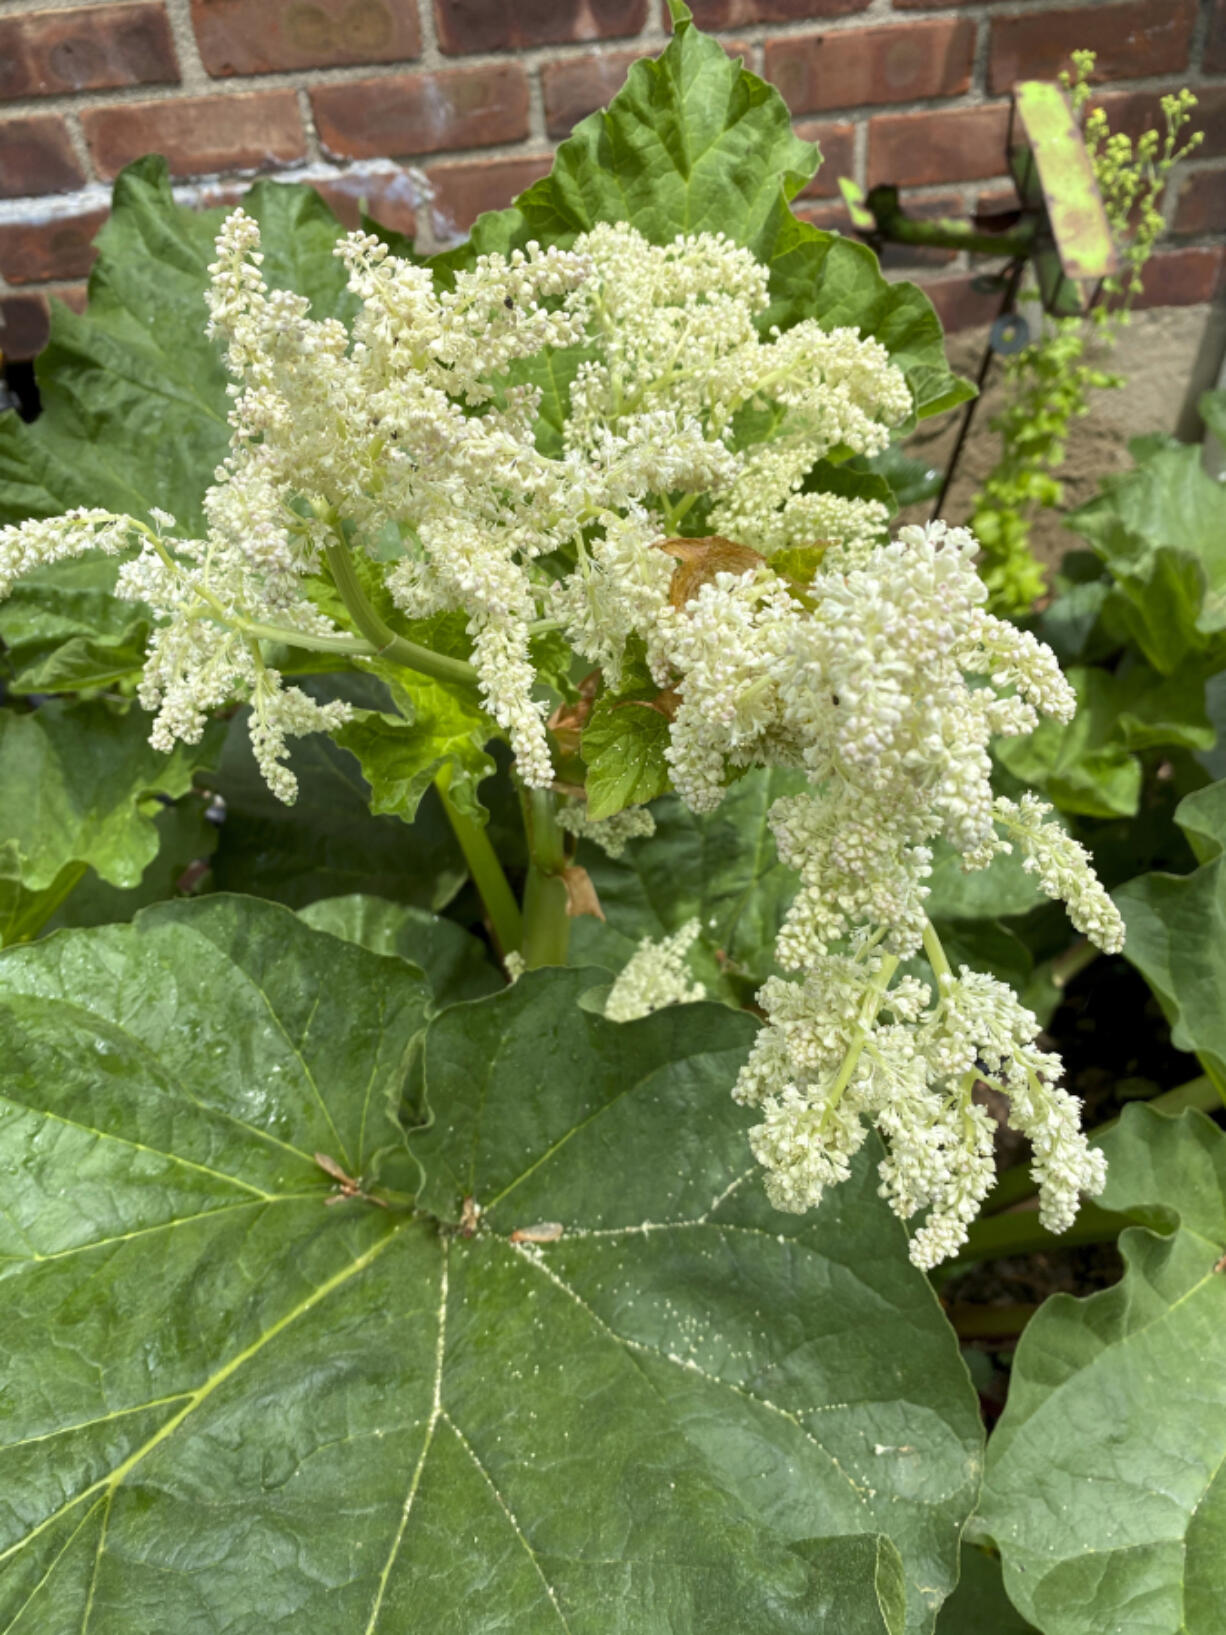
[[959, 304], [1134, 112], [407, 114], [838, 145], [713, 14], [1201, 206], [1183, 277], [391, 197], [849, 67], [223, 196], [86, 49], [1136, 38], [34, 252], [198, 135], [954, 145], [517, 25], [263, 36], [24, 323], [36, 157], [577, 86], [463, 191], [1214, 61]]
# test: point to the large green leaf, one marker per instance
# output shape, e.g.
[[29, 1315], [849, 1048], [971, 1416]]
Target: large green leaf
[[77, 785], [229, 1406], [675, 1265], [1177, 934], [1106, 1482], [692, 143], [133, 395]]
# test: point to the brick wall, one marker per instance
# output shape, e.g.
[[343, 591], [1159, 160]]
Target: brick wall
[[362, 97]]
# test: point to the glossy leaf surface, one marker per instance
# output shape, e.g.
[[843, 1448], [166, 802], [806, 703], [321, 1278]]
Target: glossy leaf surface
[[1106, 1481], [234, 1406]]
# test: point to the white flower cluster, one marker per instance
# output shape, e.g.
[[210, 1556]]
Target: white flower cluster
[[845, 1050], [611, 834], [405, 430], [399, 456], [655, 975]]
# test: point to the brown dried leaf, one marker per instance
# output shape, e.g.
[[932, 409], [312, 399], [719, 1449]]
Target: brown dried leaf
[[699, 560], [581, 895]]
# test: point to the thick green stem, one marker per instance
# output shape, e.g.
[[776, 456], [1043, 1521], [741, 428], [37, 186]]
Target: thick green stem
[[501, 908], [941, 968], [1016, 1185], [1022, 1233], [546, 921], [387, 644]]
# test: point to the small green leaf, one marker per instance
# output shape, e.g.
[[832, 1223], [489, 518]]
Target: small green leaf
[[799, 563], [77, 785], [399, 758], [623, 747], [1106, 1480]]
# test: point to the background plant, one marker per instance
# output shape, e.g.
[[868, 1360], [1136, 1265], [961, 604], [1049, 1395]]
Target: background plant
[[1049, 381]]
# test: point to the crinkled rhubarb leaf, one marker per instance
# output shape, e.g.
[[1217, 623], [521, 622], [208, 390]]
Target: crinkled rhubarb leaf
[[1177, 934], [230, 1405], [79, 783], [1106, 1479], [695, 143]]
